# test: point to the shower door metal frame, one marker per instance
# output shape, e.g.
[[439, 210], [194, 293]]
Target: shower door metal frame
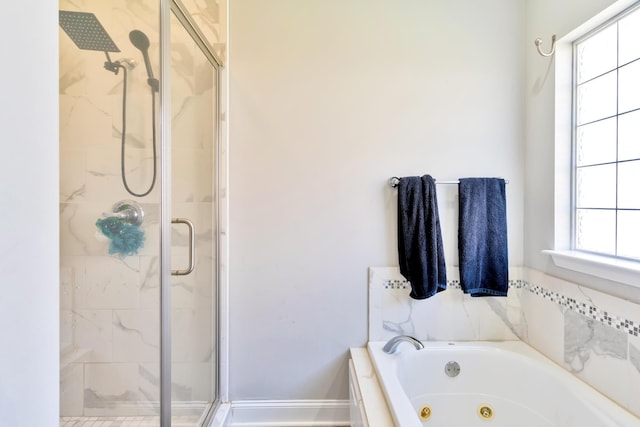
[[180, 12], [165, 216]]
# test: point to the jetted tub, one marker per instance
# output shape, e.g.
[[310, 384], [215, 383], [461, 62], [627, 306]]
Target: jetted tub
[[488, 384]]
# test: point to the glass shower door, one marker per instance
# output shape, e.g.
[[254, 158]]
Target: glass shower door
[[113, 203], [110, 196], [194, 84]]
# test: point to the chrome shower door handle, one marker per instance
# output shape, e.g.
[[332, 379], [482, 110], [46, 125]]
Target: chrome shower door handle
[[192, 246]]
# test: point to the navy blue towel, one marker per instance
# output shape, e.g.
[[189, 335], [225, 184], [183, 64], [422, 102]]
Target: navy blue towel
[[420, 251], [482, 237]]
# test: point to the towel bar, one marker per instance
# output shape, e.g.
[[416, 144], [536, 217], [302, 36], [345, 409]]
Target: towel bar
[[394, 181]]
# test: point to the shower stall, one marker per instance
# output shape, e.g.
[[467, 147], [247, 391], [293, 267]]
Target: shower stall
[[139, 209]]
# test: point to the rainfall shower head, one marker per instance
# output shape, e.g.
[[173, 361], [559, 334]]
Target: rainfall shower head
[[86, 32]]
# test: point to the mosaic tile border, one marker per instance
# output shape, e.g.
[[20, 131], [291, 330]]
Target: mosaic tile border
[[599, 315], [455, 284], [593, 312]]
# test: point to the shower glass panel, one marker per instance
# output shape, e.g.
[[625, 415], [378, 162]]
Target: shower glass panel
[[112, 204], [209, 16], [193, 161], [109, 275]]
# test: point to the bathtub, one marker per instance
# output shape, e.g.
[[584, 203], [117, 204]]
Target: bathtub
[[491, 384]]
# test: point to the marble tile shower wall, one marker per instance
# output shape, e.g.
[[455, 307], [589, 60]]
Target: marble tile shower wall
[[593, 335], [109, 305]]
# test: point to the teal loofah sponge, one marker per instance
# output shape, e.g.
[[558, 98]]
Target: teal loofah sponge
[[126, 239]]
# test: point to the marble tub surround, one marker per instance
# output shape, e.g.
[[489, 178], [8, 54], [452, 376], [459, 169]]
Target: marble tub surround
[[449, 315], [593, 335]]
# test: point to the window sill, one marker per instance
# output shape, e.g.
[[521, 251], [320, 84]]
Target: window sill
[[617, 270]]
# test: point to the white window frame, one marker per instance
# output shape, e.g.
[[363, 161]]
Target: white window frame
[[564, 255]]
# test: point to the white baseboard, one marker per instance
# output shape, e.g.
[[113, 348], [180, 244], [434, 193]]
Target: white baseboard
[[283, 413]]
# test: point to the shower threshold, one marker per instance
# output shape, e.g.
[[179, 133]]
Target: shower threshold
[[133, 421]]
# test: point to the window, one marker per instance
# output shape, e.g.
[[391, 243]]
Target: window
[[606, 138], [597, 150]]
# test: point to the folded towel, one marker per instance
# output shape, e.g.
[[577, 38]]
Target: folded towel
[[420, 251], [482, 237]]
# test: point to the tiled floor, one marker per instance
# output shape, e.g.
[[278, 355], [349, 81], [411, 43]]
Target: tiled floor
[[191, 421]]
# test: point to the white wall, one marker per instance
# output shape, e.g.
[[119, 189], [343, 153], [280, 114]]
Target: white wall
[[328, 99], [29, 214]]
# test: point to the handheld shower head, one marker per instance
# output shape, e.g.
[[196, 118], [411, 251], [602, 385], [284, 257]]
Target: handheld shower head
[[141, 41]]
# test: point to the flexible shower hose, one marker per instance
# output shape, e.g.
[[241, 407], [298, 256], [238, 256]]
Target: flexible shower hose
[[124, 137]]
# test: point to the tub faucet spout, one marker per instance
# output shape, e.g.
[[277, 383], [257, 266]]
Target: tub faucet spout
[[392, 345]]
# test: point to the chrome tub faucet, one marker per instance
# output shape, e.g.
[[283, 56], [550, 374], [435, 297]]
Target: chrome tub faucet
[[392, 345]]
